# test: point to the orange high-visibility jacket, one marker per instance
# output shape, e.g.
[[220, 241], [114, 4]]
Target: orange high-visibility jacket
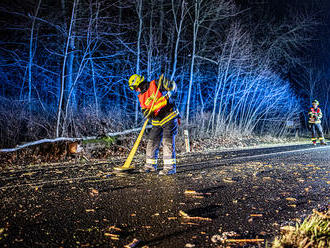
[[163, 109], [148, 97]]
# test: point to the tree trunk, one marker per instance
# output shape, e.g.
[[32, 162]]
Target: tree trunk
[[31, 56], [139, 10], [70, 72], [94, 88], [195, 31], [63, 74], [178, 30], [150, 46]]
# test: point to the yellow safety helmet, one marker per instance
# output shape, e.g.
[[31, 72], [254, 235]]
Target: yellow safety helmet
[[316, 101], [134, 81]]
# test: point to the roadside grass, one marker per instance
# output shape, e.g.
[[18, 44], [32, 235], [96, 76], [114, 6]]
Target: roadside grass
[[313, 232]]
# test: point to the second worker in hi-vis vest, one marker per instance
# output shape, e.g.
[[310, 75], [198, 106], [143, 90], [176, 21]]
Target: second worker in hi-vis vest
[[314, 121], [164, 119]]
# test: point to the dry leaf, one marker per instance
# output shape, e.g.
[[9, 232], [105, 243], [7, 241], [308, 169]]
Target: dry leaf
[[290, 199], [198, 197], [189, 192], [111, 235], [228, 180], [114, 228], [95, 191], [189, 245], [183, 214], [216, 238]]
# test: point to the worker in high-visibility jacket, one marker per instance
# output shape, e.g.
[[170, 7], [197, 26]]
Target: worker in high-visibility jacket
[[164, 119], [315, 116]]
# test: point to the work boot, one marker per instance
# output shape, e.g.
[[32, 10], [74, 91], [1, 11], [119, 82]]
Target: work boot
[[148, 169], [167, 171], [323, 143]]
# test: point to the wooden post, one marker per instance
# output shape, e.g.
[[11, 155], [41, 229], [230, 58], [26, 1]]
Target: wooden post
[[186, 140]]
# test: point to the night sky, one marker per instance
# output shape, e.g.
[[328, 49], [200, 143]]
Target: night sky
[[277, 9]]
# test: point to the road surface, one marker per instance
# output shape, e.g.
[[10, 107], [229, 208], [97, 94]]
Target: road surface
[[214, 198]]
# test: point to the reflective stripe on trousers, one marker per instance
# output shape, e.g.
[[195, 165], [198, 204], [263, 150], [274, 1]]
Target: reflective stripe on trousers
[[165, 133], [151, 161], [169, 163]]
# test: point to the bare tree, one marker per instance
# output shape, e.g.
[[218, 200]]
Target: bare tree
[[178, 28], [138, 53], [31, 53], [203, 11], [63, 74]]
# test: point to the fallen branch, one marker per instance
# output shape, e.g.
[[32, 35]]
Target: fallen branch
[[39, 142], [70, 139]]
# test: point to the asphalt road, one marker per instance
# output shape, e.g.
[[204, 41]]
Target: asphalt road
[[214, 198]]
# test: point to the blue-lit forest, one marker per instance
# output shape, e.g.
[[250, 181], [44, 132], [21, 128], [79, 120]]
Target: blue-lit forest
[[240, 68]]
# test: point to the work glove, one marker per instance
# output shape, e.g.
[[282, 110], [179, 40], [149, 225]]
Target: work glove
[[168, 86], [166, 83]]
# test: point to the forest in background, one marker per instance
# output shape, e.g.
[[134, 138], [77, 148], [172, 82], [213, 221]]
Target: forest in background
[[64, 65]]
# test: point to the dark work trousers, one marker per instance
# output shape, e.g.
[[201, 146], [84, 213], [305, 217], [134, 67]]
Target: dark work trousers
[[165, 133], [316, 128]]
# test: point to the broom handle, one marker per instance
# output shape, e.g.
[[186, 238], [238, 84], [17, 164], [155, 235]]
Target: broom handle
[[135, 146]]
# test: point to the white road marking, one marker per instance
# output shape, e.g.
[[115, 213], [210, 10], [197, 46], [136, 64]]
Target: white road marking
[[260, 155], [275, 153]]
